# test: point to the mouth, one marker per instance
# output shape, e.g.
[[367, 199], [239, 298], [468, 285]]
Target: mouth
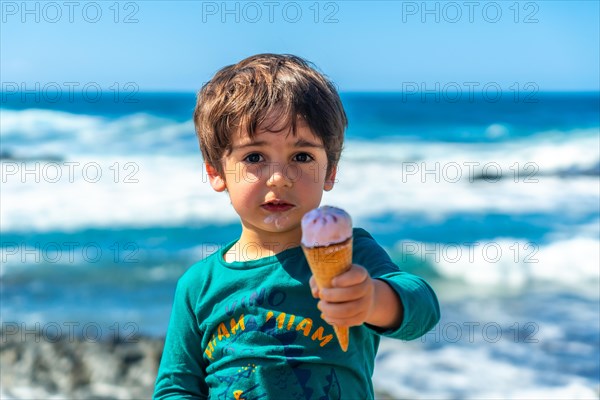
[[277, 206]]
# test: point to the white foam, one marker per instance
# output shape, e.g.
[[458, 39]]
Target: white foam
[[172, 191], [512, 262], [35, 132], [367, 190], [476, 371], [66, 133], [546, 151], [5, 396], [438, 179], [149, 191], [428, 180]]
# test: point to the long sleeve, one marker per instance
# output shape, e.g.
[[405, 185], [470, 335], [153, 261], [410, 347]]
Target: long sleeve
[[181, 374], [420, 305], [421, 310]]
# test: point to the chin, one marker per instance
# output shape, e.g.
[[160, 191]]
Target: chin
[[279, 224]]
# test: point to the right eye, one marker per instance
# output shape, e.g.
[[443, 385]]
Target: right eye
[[253, 158]]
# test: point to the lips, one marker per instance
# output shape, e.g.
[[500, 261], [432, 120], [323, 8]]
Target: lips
[[277, 206]]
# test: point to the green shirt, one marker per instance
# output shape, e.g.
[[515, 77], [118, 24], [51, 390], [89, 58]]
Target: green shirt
[[251, 330]]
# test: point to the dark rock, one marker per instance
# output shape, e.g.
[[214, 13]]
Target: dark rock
[[34, 366]]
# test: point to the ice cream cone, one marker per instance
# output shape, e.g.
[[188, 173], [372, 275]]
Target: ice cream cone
[[327, 262]]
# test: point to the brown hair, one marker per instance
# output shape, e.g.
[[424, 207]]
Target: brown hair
[[241, 96]]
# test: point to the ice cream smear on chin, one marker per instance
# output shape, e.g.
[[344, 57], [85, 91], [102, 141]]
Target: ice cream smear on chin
[[325, 226], [278, 220]]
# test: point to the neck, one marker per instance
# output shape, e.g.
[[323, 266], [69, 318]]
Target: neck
[[254, 246]]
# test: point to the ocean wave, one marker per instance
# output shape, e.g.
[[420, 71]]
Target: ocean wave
[[32, 133], [544, 337], [509, 262], [64, 171], [174, 191], [545, 153], [478, 371]]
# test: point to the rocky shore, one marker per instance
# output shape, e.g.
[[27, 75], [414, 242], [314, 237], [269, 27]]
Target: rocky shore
[[35, 366]]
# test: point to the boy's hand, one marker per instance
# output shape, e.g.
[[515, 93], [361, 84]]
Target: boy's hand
[[356, 298], [350, 301]]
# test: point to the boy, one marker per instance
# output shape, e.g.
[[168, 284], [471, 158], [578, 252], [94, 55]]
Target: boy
[[244, 324]]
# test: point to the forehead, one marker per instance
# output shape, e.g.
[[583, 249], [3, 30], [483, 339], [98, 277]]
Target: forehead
[[277, 129]]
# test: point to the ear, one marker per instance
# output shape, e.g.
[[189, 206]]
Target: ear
[[216, 181], [330, 180]]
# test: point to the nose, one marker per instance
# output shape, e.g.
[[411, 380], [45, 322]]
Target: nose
[[278, 176]]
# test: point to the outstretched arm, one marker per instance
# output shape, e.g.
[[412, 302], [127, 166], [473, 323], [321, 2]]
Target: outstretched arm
[[356, 298]]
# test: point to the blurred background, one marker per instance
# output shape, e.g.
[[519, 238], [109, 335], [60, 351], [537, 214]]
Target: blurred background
[[472, 156]]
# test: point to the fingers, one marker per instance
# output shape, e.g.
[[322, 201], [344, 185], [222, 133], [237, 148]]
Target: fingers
[[343, 314], [351, 285], [345, 294], [314, 289], [340, 310], [349, 301], [354, 276]]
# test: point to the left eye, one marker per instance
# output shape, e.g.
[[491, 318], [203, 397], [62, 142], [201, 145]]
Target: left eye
[[303, 157], [253, 158]]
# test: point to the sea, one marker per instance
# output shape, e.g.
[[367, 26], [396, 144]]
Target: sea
[[494, 201]]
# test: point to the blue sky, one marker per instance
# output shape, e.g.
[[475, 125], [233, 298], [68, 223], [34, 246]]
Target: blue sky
[[362, 46]]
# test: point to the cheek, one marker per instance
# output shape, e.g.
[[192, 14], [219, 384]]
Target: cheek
[[241, 180], [312, 174], [240, 191], [243, 193]]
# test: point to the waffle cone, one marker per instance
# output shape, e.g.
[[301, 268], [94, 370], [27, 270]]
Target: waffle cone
[[326, 263]]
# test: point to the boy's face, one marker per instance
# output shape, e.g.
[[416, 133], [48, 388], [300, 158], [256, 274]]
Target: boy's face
[[274, 178]]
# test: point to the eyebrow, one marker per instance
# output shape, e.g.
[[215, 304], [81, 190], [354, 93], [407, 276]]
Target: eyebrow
[[299, 143]]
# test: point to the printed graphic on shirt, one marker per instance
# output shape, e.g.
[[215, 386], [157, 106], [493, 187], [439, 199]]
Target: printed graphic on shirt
[[286, 329]]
